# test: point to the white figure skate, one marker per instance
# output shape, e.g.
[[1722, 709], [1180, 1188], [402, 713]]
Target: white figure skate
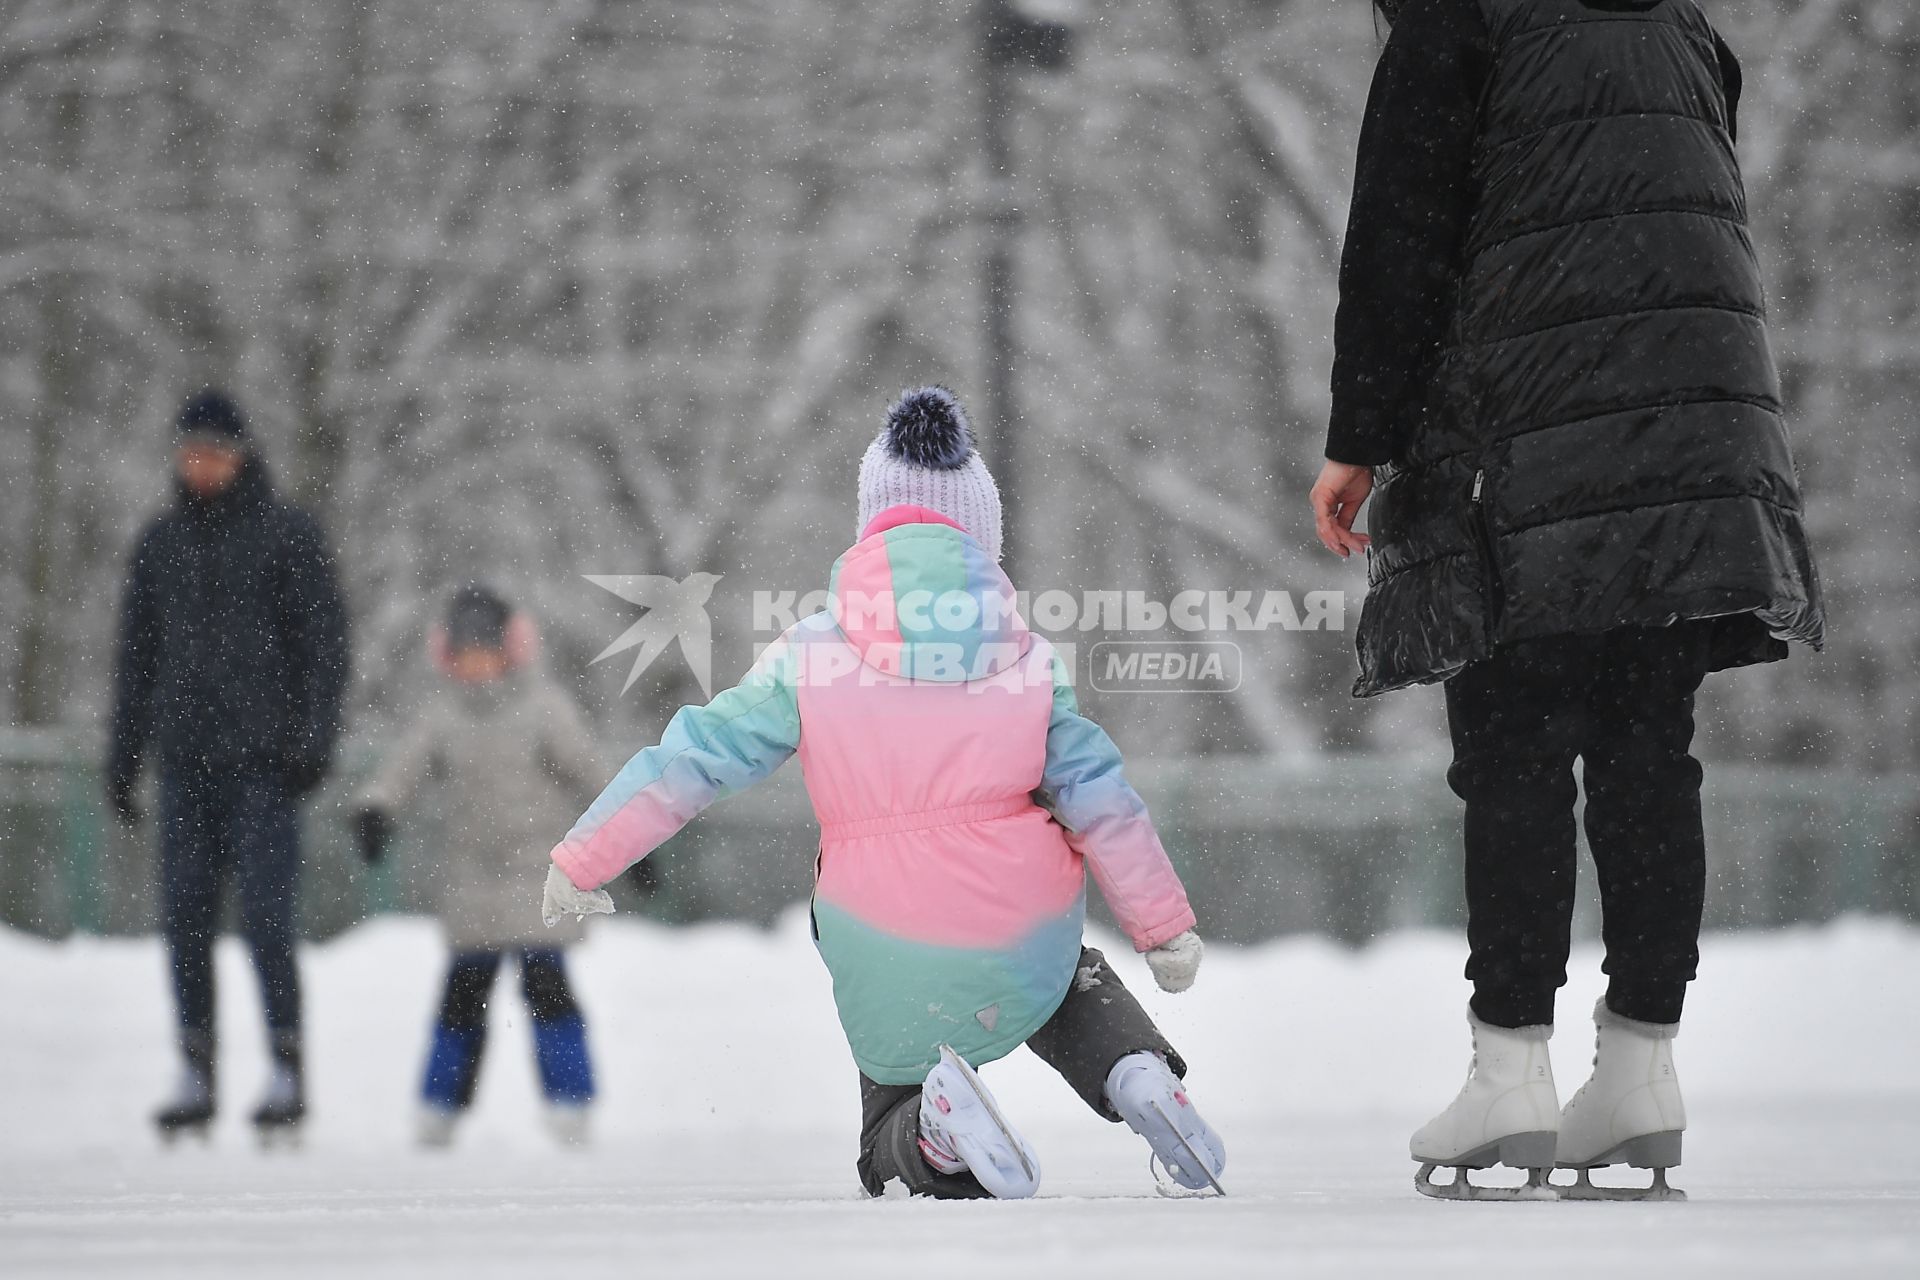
[[1628, 1113], [1507, 1113], [1154, 1103], [960, 1121], [433, 1127], [569, 1123]]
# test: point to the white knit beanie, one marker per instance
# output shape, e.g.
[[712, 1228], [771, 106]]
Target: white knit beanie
[[924, 457]]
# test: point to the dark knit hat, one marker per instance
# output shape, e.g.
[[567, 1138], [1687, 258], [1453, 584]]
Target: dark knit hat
[[211, 413], [476, 619]]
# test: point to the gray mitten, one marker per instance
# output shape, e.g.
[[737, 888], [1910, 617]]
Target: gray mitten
[[1175, 961]]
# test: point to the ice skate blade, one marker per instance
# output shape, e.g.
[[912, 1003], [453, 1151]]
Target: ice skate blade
[[1537, 1187], [1659, 1192], [1168, 1188], [568, 1126], [1194, 1158], [278, 1137], [171, 1135], [1187, 1155]]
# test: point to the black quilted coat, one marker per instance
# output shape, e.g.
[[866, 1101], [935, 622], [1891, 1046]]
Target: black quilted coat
[[1600, 443], [233, 643]]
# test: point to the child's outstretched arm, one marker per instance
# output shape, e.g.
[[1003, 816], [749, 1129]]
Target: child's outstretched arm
[[404, 767], [707, 752], [1107, 823], [394, 785], [568, 748]]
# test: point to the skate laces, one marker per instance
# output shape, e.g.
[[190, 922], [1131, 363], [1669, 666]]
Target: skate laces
[[936, 1147], [939, 1158]]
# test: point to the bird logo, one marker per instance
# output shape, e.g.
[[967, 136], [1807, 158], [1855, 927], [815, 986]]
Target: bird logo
[[674, 610]]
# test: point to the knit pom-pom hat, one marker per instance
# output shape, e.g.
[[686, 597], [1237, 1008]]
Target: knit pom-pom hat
[[924, 456]]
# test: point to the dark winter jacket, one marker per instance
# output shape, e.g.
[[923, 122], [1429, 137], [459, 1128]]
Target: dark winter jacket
[[233, 642], [1593, 439]]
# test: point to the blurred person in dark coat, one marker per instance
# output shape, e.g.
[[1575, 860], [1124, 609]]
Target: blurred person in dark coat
[[232, 662], [1552, 375]]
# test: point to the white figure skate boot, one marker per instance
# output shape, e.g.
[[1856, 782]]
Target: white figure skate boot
[[961, 1127], [569, 1123], [1507, 1113], [433, 1126], [1629, 1112], [1152, 1100]]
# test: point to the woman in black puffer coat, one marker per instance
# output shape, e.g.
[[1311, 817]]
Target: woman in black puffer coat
[[1552, 375]]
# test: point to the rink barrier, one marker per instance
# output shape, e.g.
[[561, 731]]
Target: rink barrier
[[1350, 846]]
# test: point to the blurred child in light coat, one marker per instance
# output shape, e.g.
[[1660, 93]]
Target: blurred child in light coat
[[502, 756]]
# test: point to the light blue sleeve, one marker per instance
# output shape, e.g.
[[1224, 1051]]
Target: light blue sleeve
[[706, 753], [1086, 789]]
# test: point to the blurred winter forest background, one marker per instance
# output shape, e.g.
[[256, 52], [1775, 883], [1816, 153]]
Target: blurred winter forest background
[[531, 289]]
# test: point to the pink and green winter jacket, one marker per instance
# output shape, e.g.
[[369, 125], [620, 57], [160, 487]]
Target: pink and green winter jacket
[[961, 798]]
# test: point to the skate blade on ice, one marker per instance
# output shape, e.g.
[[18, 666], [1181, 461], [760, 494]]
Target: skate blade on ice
[[433, 1127], [171, 1135], [1179, 1183], [1188, 1156], [1532, 1152], [1656, 1151], [278, 1137], [995, 1154]]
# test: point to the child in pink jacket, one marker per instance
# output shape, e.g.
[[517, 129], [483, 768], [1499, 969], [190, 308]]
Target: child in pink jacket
[[961, 798]]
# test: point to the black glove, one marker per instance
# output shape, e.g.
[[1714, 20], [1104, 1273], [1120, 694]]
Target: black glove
[[374, 830], [120, 799], [302, 772]]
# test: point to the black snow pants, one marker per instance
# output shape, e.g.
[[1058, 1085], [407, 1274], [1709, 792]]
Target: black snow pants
[[241, 825], [1622, 703], [1097, 1024]]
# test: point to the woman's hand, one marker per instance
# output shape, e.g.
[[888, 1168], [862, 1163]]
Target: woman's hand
[[1337, 497]]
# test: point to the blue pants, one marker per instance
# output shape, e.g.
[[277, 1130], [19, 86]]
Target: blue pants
[[243, 824], [460, 1038]]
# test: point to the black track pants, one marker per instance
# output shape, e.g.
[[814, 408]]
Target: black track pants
[[1622, 703]]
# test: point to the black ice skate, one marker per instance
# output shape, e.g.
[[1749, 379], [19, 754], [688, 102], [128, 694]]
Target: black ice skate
[[191, 1110], [277, 1120]]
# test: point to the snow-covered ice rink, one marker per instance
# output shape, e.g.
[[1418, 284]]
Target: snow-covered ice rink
[[725, 1140]]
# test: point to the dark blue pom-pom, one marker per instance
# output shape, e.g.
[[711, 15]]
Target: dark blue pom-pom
[[926, 427]]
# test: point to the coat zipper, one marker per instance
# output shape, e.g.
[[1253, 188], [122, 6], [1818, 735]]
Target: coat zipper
[[1496, 593]]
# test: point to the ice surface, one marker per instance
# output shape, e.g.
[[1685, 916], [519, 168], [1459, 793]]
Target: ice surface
[[725, 1142]]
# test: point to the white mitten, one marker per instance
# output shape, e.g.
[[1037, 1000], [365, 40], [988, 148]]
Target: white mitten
[[562, 899], [1175, 961]]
